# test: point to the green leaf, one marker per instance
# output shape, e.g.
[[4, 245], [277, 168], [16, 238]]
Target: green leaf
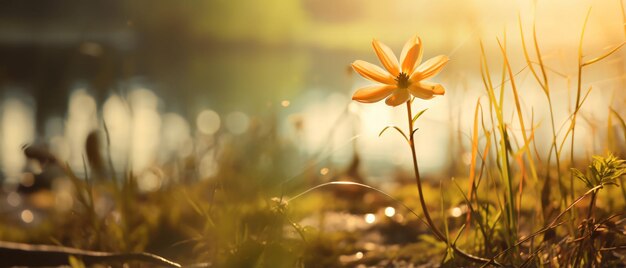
[[579, 175], [396, 128], [418, 115], [602, 171]]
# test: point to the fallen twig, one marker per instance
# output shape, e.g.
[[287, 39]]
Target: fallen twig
[[18, 254]]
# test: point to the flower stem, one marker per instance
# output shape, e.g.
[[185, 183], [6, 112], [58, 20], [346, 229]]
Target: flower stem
[[429, 220], [418, 180]]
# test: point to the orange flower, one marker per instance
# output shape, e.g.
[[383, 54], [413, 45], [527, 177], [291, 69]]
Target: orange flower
[[399, 80]]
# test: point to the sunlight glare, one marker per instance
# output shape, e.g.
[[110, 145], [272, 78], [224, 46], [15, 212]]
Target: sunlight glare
[[17, 128], [146, 128], [81, 119], [116, 115]]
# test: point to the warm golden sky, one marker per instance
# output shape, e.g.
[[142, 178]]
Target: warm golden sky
[[349, 23]]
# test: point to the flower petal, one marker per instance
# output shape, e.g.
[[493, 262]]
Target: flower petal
[[430, 68], [398, 97], [373, 72], [372, 94], [426, 90], [386, 57], [411, 54]]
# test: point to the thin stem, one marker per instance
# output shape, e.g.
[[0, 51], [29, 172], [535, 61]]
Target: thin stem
[[576, 108], [557, 156], [592, 204], [573, 126], [553, 224], [583, 232], [418, 182]]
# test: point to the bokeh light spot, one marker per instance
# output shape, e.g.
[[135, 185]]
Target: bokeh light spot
[[456, 212], [14, 199], [390, 211], [27, 216], [208, 122]]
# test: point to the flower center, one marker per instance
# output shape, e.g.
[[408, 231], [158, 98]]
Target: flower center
[[402, 80]]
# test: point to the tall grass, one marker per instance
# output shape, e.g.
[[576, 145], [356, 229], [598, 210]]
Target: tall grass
[[525, 249]]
